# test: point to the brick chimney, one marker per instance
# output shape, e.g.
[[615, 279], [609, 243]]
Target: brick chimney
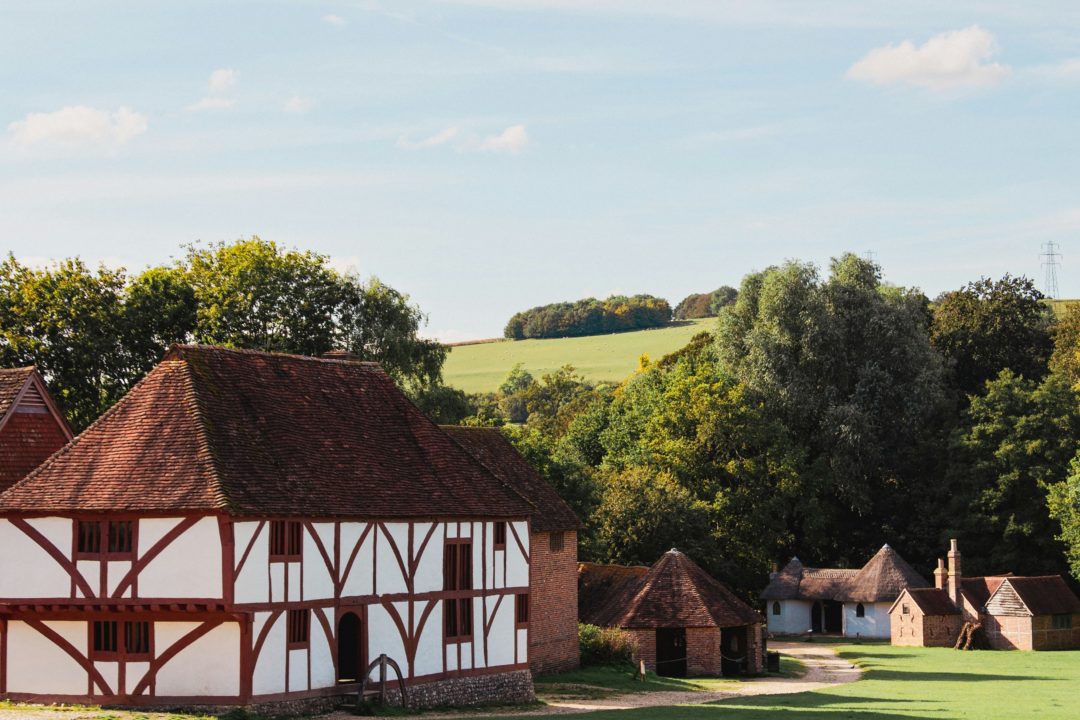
[[339, 354], [940, 574], [954, 572]]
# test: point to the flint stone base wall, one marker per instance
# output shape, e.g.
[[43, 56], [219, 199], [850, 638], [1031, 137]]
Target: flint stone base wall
[[510, 688]]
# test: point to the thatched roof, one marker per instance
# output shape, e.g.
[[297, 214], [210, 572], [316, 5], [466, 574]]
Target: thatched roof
[[882, 579], [675, 592]]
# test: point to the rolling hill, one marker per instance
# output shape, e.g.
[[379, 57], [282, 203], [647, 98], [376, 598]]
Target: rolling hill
[[481, 367]]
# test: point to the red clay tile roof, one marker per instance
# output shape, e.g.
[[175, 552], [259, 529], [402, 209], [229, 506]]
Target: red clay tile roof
[[250, 433], [675, 592], [598, 583], [979, 589], [1045, 595], [796, 582], [12, 381], [931, 601], [882, 579], [491, 449]]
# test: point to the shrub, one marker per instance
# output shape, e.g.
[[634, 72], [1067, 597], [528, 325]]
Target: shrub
[[605, 646]]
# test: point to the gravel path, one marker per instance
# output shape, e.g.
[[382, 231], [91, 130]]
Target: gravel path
[[823, 669]]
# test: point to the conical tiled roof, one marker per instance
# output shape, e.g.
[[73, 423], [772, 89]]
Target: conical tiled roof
[[676, 593], [882, 579]]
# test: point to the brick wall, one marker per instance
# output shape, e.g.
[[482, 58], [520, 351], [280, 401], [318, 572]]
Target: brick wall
[[553, 606], [1008, 632], [26, 441], [1045, 637], [702, 651], [646, 644]]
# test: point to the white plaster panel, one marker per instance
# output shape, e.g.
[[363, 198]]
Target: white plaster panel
[[298, 670], [467, 530], [323, 673], [318, 580], [451, 658], [294, 586], [429, 568], [270, 667], [794, 616], [38, 576], [190, 567], [209, 666], [522, 646], [134, 673], [388, 577], [360, 578], [251, 583], [383, 635], [110, 673], [431, 640], [478, 558], [501, 639], [451, 530], [874, 624], [517, 566], [467, 656], [115, 573], [59, 531], [277, 582], [153, 529], [90, 570], [36, 665]]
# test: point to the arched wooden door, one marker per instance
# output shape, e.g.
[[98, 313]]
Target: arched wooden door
[[350, 650]]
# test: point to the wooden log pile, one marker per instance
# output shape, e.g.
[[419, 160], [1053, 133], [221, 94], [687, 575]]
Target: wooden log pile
[[971, 637]]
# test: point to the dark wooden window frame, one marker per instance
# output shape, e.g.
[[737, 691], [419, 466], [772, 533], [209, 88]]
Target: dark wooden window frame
[[775, 608], [499, 535], [1062, 621], [286, 540], [298, 628], [860, 610], [557, 541], [126, 640], [458, 579], [106, 539], [521, 610]]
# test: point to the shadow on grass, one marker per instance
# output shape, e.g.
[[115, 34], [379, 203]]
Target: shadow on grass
[[944, 676]]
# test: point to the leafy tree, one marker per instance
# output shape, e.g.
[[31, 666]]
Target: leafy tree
[[553, 402], [1064, 503], [376, 322], [701, 305], [442, 404], [1018, 439], [1066, 356], [513, 393], [159, 310], [988, 326], [572, 479], [846, 368], [589, 317]]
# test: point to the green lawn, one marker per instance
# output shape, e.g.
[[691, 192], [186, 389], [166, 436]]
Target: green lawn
[[932, 683], [482, 367], [608, 680]]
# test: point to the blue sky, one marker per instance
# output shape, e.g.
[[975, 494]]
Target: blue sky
[[489, 156]]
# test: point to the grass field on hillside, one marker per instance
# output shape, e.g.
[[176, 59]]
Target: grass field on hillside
[[482, 367], [903, 682]]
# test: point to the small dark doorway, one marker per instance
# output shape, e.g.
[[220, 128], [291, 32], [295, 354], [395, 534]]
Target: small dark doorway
[[827, 616], [733, 646], [350, 648], [671, 652]]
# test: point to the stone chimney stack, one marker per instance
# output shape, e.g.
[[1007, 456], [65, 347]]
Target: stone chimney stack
[[954, 572], [940, 574]]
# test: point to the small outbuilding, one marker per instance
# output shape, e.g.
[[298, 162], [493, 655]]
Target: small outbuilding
[[1033, 613], [685, 621], [925, 617]]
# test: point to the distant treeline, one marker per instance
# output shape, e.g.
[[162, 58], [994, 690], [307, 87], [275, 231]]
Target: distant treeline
[[701, 305], [589, 317]]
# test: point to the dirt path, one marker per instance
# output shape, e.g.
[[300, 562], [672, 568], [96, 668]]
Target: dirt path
[[823, 669]]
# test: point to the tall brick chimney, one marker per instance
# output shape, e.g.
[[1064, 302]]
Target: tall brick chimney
[[940, 574], [954, 572]]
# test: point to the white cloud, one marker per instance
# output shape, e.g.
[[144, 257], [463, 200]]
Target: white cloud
[[210, 103], [298, 105], [960, 58], [222, 79], [335, 20], [79, 125], [1064, 70], [512, 140], [440, 138]]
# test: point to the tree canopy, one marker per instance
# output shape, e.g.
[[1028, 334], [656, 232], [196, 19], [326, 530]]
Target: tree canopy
[[589, 317]]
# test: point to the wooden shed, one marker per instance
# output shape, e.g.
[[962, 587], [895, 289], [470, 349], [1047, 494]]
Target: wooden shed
[[1033, 613], [685, 621]]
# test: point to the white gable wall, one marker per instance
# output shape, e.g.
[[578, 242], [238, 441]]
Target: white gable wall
[[794, 617], [875, 623]]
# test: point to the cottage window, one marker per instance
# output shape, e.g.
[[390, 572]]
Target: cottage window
[[905, 610], [298, 624], [1062, 621], [457, 580], [500, 536], [521, 610], [111, 642], [104, 539], [556, 542], [776, 608], [860, 611], [286, 541]]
